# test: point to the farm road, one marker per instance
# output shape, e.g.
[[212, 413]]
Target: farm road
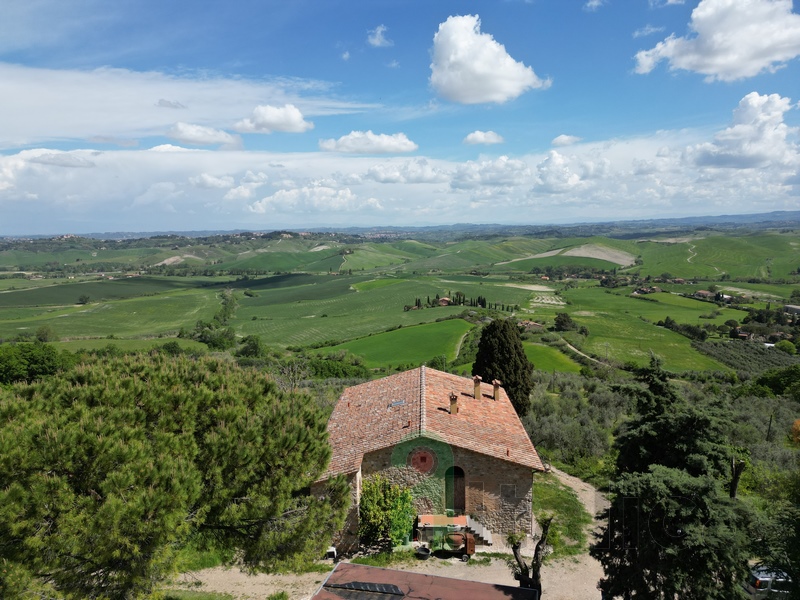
[[576, 351]]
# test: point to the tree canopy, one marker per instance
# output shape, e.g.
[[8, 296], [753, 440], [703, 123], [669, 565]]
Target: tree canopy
[[672, 529], [501, 356], [27, 361], [108, 468]]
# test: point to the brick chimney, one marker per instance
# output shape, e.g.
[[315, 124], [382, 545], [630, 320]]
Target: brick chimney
[[453, 403], [497, 383], [477, 381]]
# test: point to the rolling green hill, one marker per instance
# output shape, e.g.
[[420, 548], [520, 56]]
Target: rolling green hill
[[306, 290]]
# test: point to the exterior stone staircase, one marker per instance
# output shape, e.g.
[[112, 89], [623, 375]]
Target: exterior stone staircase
[[483, 537]]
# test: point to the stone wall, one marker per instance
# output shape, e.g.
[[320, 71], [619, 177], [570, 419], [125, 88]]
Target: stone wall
[[498, 492]]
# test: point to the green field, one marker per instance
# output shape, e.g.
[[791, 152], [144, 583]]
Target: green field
[[68, 292], [545, 358], [302, 291], [129, 345], [322, 308], [760, 255], [146, 316], [623, 328], [409, 345]]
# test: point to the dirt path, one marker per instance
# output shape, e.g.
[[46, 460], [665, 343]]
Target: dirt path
[[576, 351], [576, 578], [573, 578]]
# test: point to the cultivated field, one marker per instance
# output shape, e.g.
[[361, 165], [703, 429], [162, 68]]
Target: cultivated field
[[307, 291]]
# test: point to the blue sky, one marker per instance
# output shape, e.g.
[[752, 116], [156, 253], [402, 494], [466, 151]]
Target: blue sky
[[138, 115]]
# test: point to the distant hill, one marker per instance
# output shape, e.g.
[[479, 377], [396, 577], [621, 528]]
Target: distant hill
[[614, 229]]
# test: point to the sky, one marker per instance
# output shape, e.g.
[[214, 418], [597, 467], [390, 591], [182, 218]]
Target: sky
[[144, 115]]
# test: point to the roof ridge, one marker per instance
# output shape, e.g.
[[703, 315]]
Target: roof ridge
[[422, 420]]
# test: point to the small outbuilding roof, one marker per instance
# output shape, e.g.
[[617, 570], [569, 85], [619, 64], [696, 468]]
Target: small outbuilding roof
[[360, 582], [381, 413]]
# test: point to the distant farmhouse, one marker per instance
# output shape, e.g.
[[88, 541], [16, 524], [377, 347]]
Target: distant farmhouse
[[456, 442]]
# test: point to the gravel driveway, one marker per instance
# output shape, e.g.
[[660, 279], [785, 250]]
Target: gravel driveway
[[573, 578]]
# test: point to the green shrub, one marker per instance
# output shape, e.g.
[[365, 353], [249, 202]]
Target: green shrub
[[386, 511]]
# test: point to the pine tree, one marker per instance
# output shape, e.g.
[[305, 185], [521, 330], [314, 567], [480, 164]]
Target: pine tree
[[111, 466], [672, 530], [501, 356]]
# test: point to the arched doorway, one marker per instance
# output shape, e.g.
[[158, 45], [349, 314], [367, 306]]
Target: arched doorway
[[455, 490]]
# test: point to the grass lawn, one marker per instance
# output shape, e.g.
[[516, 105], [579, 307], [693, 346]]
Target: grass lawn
[[568, 531]]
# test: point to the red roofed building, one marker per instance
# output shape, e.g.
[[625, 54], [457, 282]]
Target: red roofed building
[[360, 582], [457, 442]]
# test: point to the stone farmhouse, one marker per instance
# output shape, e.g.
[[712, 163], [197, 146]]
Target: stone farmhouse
[[456, 442]]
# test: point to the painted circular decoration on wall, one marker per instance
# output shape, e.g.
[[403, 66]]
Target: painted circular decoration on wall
[[423, 460]]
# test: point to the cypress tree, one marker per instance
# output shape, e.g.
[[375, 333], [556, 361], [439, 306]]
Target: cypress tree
[[501, 356]]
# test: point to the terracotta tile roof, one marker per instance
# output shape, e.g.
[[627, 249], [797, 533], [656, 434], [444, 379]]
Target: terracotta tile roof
[[382, 413], [361, 582]]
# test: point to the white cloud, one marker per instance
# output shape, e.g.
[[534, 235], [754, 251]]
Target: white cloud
[[207, 181], [394, 65], [407, 171], [757, 137], [377, 37], [62, 159], [366, 142], [248, 186], [470, 67], [565, 140], [483, 137], [661, 3], [160, 194], [51, 104], [162, 103], [502, 172], [733, 39], [556, 175], [647, 30], [267, 119], [668, 173], [108, 139], [346, 55], [592, 5], [200, 135], [169, 148], [314, 198]]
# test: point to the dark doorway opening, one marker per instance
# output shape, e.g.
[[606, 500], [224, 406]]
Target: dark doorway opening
[[455, 490]]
